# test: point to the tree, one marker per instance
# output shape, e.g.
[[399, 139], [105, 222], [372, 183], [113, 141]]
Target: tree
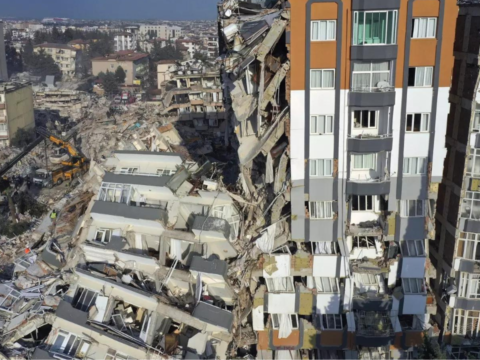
[[41, 64], [40, 37], [101, 47], [428, 350], [56, 36], [168, 52], [120, 75], [200, 56], [14, 60], [110, 84]]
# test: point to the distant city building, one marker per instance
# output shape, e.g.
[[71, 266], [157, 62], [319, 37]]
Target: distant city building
[[163, 31], [55, 20], [125, 41], [134, 64], [188, 45], [3, 59], [12, 116], [65, 56]]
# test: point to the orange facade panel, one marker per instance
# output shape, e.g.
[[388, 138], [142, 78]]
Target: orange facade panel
[[324, 11], [291, 341], [323, 54], [422, 52], [331, 338], [426, 8], [449, 23], [263, 343], [297, 44]]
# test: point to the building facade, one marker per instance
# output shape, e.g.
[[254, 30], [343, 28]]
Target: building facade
[[134, 64], [65, 56], [454, 253], [369, 91], [125, 41], [16, 110]]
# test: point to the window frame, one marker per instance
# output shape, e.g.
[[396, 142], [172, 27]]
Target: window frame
[[325, 205], [104, 232], [461, 321], [334, 249], [424, 76], [63, 349], [370, 243], [471, 199], [128, 170], [290, 285], [107, 190], [369, 119], [469, 286], [470, 244], [404, 206], [3, 127], [418, 171], [276, 321], [333, 283], [84, 298], [424, 117], [322, 87], [394, 32], [363, 161], [327, 22], [331, 319], [418, 247], [371, 72], [327, 164], [409, 284], [416, 29], [366, 207], [317, 121]]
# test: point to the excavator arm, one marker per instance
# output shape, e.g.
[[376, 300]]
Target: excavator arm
[[77, 158]]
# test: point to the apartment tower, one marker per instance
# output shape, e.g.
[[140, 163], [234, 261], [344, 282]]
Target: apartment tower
[[369, 86], [455, 250]]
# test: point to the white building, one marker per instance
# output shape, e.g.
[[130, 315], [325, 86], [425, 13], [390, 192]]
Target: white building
[[125, 41]]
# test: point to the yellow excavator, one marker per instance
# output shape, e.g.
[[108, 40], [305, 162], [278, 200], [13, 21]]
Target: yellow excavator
[[77, 164]]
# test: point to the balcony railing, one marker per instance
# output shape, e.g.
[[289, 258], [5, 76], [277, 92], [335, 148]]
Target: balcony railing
[[374, 89], [369, 136]]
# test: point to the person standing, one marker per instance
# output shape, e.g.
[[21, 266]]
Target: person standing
[[143, 200]]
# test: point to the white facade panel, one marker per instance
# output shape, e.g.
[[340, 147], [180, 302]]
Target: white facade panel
[[396, 128], [297, 144], [413, 267], [419, 100], [343, 131], [439, 150], [322, 102], [328, 303], [297, 110], [283, 303], [297, 169], [414, 304], [321, 146], [327, 265], [416, 145]]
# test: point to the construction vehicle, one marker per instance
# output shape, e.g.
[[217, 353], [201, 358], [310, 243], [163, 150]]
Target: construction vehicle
[[50, 178], [77, 157]]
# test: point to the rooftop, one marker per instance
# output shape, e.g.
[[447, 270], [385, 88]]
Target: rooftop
[[126, 55], [12, 86], [55, 46]]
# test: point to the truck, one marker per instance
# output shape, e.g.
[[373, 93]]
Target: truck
[[50, 178]]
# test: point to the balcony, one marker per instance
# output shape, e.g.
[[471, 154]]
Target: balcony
[[379, 186], [374, 52], [372, 96], [368, 143]]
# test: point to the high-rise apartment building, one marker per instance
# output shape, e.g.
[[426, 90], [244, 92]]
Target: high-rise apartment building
[[455, 251], [369, 84]]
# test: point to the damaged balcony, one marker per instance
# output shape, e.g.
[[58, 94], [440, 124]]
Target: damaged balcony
[[375, 328], [367, 215]]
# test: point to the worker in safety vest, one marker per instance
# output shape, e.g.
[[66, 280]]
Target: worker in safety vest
[[53, 216]]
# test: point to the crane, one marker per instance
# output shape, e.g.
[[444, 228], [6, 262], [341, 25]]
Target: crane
[[77, 157]]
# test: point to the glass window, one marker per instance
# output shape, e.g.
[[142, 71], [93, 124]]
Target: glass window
[[424, 28], [325, 247], [467, 247], [3, 127], [321, 124], [417, 122], [324, 30], [370, 76], [277, 318], [412, 248], [412, 208], [83, 299], [413, 285], [365, 119], [127, 170], [469, 286], [466, 322], [364, 162], [332, 321], [115, 193], [362, 203], [414, 166], [280, 284], [326, 285], [321, 167], [471, 205], [374, 27], [103, 235], [322, 79], [420, 76], [320, 210]]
